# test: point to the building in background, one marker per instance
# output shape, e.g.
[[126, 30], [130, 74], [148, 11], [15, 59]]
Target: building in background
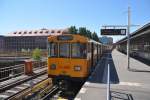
[[2, 38], [28, 40], [106, 40]]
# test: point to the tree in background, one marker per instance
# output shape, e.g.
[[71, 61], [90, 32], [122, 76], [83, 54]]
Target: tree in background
[[95, 37], [73, 30], [89, 34], [36, 54], [84, 32]]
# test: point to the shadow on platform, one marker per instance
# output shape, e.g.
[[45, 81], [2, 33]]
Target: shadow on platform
[[100, 73], [136, 70], [120, 96], [114, 79], [145, 61]]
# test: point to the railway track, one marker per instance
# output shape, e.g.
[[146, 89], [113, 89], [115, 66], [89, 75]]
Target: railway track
[[40, 88], [37, 87], [57, 92], [18, 92], [53, 91], [7, 85]]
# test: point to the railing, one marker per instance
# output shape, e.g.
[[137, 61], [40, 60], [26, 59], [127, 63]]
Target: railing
[[37, 65], [108, 83], [12, 71], [16, 70]]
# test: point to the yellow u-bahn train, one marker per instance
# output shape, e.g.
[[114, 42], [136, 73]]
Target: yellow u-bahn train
[[72, 57]]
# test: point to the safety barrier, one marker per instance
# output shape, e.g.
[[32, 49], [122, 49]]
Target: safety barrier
[[12, 71], [16, 70]]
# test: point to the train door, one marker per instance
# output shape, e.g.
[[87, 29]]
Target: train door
[[97, 52], [89, 60], [92, 54]]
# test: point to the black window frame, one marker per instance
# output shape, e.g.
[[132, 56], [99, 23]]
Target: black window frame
[[49, 49], [59, 49], [80, 56]]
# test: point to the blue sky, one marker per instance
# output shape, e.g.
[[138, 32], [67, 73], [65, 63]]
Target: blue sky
[[36, 14]]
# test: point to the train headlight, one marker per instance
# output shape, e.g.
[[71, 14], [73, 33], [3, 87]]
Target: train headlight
[[77, 68], [53, 66]]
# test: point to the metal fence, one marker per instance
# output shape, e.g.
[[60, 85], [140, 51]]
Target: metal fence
[[37, 65], [16, 70], [11, 71]]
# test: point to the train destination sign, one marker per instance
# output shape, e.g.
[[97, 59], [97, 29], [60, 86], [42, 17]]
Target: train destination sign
[[113, 31], [64, 38]]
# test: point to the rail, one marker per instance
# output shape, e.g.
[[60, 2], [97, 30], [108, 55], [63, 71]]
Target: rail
[[29, 87], [52, 91], [7, 85], [108, 83]]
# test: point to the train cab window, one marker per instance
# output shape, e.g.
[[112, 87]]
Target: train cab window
[[64, 50], [53, 49], [78, 50]]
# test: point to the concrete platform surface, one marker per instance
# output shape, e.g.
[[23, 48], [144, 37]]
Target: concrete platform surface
[[126, 84]]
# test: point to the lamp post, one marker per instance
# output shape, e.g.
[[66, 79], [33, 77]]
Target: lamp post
[[128, 39]]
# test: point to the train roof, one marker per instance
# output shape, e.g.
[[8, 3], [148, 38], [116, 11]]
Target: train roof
[[88, 39]]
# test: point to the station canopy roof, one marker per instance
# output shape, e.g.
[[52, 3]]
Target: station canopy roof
[[144, 30]]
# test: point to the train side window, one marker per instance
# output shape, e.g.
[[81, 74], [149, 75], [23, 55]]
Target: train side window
[[64, 50], [98, 50], [53, 50], [78, 50], [89, 48], [95, 49]]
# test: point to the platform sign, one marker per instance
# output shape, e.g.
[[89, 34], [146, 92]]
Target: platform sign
[[113, 31]]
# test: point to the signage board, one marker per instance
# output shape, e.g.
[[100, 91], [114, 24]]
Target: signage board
[[113, 31]]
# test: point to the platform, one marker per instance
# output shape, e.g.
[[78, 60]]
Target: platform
[[133, 84]]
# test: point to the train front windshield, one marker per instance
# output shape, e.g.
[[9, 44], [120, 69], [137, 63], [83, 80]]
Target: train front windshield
[[67, 50], [64, 50], [52, 50], [78, 50]]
